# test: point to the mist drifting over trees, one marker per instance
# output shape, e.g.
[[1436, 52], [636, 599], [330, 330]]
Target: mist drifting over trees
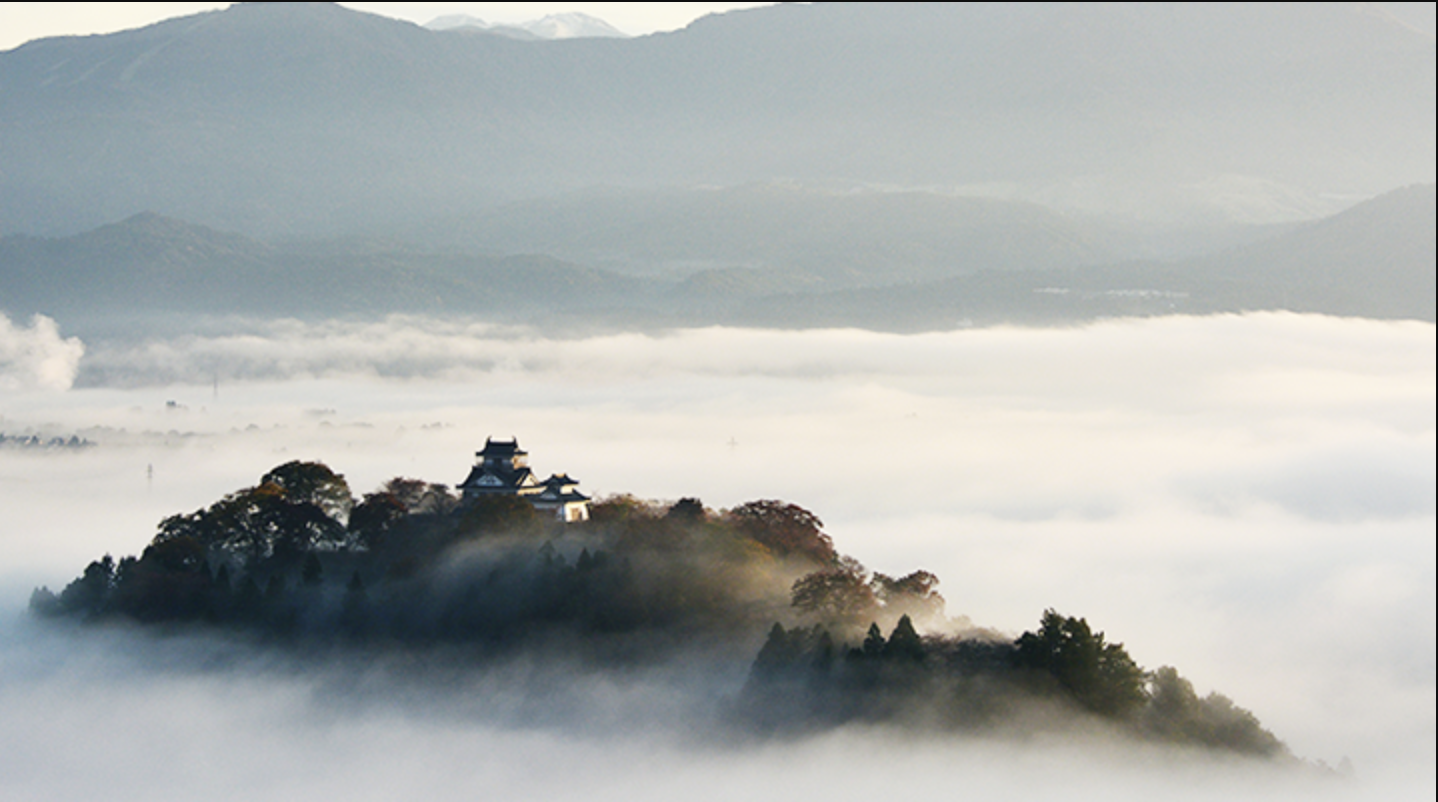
[[634, 584]]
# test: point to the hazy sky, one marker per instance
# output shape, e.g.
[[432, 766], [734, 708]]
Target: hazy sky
[[21, 22]]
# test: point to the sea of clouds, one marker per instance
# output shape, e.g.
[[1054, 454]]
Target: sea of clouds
[[1249, 498]]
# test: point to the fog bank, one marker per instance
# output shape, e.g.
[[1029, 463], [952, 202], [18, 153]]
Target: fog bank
[[124, 717]]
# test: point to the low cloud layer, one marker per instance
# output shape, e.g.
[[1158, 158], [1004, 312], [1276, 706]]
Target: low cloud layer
[[1248, 498]]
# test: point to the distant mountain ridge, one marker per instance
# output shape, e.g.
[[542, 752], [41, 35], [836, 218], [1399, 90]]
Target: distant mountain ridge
[[152, 264], [832, 238], [1374, 260], [569, 25], [310, 119], [1377, 259]]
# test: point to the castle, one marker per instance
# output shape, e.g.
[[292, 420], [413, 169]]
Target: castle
[[502, 468]]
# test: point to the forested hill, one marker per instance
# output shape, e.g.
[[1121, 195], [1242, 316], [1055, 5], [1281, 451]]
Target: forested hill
[[296, 563]]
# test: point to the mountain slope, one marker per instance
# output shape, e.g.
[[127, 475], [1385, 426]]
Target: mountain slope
[[831, 238], [149, 264], [1374, 260], [310, 118]]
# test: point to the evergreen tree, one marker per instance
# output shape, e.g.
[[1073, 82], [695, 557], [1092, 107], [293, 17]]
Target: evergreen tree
[[686, 510], [312, 575], [1101, 676], [249, 601], [904, 642], [823, 653], [873, 642], [89, 593], [777, 653]]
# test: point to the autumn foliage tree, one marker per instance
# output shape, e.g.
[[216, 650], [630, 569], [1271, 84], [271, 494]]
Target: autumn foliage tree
[[835, 594], [419, 497], [374, 516], [500, 514], [911, 595], [787, 530]]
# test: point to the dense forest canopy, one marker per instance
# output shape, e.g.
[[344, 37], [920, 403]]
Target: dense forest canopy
[[297, 560]]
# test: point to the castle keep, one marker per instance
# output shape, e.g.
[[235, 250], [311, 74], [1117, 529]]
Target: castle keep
[[502, 468]]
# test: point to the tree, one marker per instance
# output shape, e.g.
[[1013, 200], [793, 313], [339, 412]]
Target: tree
[[904, 642], [419, 497], [686, 510], [222, 595], [1176, 713], [90, 593], [913, 594], [44, 602], [170, 581], [500, 514], [312, 483], [177, 555], [374, 516], [312, 575], [585, 562], [275, 589], [785, 529], [248, 600], [354, 614], [222, 578], [823, 652], [619, 508], [296, 529], [779, 652], [254, 522], [1100, 676], [834, 594], [873, 642]]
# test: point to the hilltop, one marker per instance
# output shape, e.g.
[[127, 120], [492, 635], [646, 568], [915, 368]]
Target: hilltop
[[298, 563]]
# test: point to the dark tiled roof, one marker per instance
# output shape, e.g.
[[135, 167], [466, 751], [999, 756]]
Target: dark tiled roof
[[500, 448], [482, 478], [551, 497], [496, 473]]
